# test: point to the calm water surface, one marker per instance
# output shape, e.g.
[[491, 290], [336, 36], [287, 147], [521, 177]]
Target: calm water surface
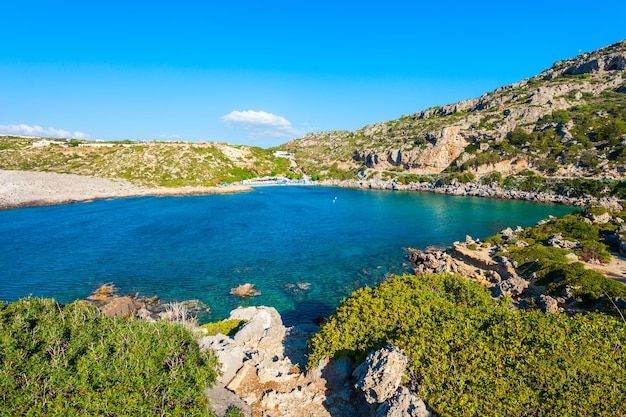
[[200, 247]]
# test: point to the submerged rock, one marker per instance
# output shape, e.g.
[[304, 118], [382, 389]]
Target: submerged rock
[[245, 291]]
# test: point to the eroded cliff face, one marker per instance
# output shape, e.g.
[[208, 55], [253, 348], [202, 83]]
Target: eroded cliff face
[[446, 146], [431, 140]]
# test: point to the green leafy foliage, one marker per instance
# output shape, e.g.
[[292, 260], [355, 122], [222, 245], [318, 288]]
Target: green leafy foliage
[[587, 285], [553, 269], [473, 356], [225, 327], [494, 177], [70, 360]]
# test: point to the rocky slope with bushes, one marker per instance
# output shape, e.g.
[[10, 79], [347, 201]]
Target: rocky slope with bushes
[[173, 164], [568, 121]]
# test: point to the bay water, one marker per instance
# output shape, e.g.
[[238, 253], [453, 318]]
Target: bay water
[[304, 248]]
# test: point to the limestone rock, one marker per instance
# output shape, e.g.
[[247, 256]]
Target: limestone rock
[[599, 218], [380, 375], [513, 286], [264, 327], [121, 307], [222, 399], [229, 353], [548, 304], [404, 404], [558, 241]]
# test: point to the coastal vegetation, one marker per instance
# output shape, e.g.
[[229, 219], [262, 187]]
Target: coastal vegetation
[[547, 263], [562, 132], [226, 327], [71, 360], [472, 355], [153, 163]]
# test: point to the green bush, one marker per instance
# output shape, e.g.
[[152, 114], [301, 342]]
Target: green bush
[[473, 356], [590, 286], [492, 177], [70, 360], [225, 327]]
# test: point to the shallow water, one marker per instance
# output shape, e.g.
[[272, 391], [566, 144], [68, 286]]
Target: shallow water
[[200, 247]]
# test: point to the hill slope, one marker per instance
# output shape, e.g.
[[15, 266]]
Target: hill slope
[[568, 121], [153, 163]]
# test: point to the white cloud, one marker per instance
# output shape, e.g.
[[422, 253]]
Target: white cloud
[[261, 123], [26, 130]]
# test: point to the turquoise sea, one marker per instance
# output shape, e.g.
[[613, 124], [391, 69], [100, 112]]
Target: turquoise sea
[[179, 248]]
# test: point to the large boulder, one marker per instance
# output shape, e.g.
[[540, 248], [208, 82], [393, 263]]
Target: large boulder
[[513, 286], [121, 307], [229, 353], [548, 304], [558, 241], [264, 327], [379, 377], [404, 404]]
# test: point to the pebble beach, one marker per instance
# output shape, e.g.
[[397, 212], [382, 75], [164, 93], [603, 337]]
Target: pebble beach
[[29, 188]]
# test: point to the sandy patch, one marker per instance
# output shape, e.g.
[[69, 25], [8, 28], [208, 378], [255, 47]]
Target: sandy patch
[[29, 188]]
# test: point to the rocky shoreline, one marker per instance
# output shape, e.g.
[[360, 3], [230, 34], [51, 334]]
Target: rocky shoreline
[[30, 188], [475, 190], [262, 364]]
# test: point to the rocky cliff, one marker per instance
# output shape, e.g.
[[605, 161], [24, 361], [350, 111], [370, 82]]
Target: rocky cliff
[[569, 121]]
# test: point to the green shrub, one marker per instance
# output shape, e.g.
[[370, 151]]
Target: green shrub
[[470, 355], [588, 285], [235, 412], [494, 240], [70, 360], [225, 327], [492, 177]]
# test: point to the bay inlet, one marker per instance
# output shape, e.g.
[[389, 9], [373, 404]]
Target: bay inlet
[[304, 248]]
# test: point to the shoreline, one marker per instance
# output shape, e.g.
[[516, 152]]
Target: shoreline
[[21, 189], [478, 190]]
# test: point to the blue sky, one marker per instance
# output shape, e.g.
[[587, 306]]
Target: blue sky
[[261, 73]]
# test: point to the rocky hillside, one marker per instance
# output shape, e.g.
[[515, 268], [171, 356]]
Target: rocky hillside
[[568, 121], [152, 163]]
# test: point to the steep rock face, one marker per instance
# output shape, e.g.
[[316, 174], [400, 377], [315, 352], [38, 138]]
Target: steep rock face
[[447, 145]]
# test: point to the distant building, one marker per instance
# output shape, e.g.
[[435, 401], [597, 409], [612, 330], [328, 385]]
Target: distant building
[[47, 142], [283, 154], [96, 145]]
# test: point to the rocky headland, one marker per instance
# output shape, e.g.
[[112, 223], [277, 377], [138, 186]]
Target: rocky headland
[[263, 375]]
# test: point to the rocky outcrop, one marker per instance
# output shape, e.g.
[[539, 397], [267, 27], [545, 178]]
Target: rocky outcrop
[[473, 262], [261, 366], [379, 377], [404, 403], [261, 375], [107, 299], [445, 146], [548, 304], [513, 286], [378, 384], [245, 291]]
